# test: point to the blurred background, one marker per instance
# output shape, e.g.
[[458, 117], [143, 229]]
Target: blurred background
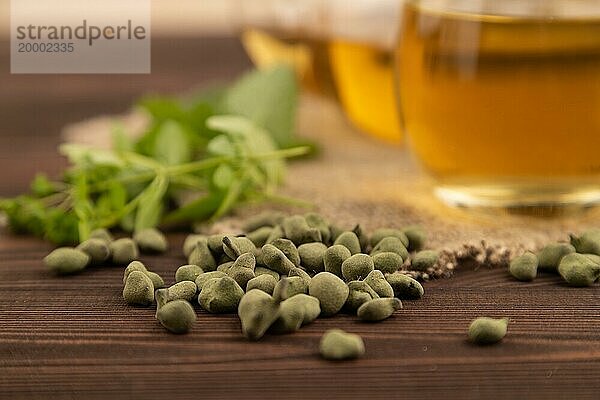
[[194, 43]]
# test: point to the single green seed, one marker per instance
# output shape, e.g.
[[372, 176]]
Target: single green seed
[[331, 291], [405, 287], [311, 256], [335, 232], [242, 269], [378, 309], [233, 246], [188, 272], [205, 277], [66, 260], [350, 241], [376, 280], [276, 233], [339, 345], [257, 311], [290, 286], [133, 266], [151, 240], [363, 238], [357, 267], [390, 244], [215, 244], [298, 231], [333, 258], [202, 257], [157, 280], [259, 236], [359, 293], [317, 221], [189, 244], [177, 316], [274, 259], [301, 273], [309, 306], [387, 262], [264, 282], [524, 268], [424, 260], [97, 249], [382, 233], [124, 251], [184, 290], [579, 269], [417, 237], [101, 233], [549, 257], [265, 271], [289, 249], [484, 330], [220, 295], [138, 289], [264, 219], [225, 267], [588, 242]]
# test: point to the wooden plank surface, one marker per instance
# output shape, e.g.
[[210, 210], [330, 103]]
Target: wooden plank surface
[[74, 337]]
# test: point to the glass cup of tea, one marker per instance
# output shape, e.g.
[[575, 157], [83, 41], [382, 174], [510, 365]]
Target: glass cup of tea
[[339, 48], [501, 99]]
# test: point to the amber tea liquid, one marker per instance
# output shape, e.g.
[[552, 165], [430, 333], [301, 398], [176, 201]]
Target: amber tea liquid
[[503, 109]]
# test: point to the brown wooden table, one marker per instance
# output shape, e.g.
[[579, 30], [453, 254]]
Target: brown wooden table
[[75, 338]]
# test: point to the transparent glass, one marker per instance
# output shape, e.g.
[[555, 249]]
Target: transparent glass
[[339, 48], [501, 99]]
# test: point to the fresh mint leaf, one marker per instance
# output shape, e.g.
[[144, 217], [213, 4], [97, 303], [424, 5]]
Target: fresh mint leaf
[[150, 206], [172, 145]]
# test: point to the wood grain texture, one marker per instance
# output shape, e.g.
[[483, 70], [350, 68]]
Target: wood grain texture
[[75, 338]]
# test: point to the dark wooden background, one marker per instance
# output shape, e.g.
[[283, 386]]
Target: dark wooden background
[[75, 338]]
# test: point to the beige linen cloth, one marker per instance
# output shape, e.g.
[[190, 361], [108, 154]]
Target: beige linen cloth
[[358, 180]]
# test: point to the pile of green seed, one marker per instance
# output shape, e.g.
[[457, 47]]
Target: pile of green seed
[[577, 261]]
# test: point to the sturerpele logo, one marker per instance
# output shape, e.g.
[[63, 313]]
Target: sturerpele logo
[[80, 36]]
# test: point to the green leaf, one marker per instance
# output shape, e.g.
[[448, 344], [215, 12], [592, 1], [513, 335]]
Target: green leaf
[[120, 140], [172, 146], [85, 156], [223, 176], [198, 210], [269, 98], [150, 206], [41, 186]]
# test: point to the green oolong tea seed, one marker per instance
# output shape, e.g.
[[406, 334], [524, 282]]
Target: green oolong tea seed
[[417, 237], [202, 257], [259, 236], [359, 293], [220, 295], [376, 280], [290, 286], [350, 241], [276, 233], [405, 287], [124, 251], [157, 280], [424, 260], [205, 277], [66, 260], [549, 257], [382, 233], [274, 259], [378, 309], [233, 246], [189, 244], [177, 316], [257, 311], [134, 266], [309, 306], [184, 290], [97, 249], [317, 221], [363, 238], [263, 270], [301, 273], [264, 282], [188, 273], [225, 267], [151, 240], [357, 267], [588, 242], [242, 269], [579, 269], [484, 330], [298, 231], [311, 256], [339, 345], [331, 291], [524, 268], [215, 244], [335, 231], [387, 262], [138, 289], [334, 257], [101, 233], [289, 249], [264, 219], [390, 244]]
